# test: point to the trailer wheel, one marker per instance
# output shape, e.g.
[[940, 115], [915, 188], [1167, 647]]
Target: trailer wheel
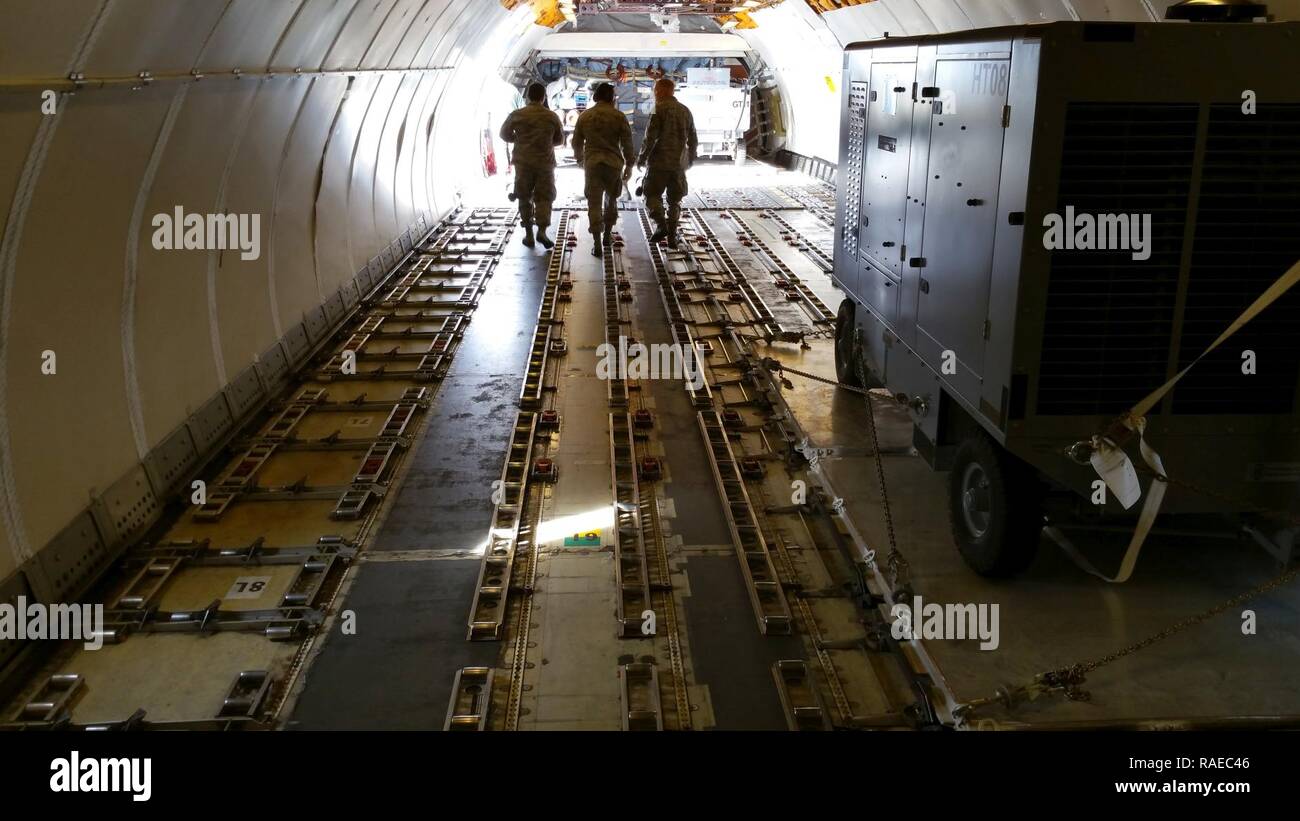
[[846, 349], [995, 508]]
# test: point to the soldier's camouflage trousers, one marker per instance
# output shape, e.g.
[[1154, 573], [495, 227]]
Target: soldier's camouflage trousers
[[602, 187], [535, 191], [657, 183]]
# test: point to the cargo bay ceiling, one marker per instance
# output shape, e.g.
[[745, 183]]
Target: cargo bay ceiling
[[348, 127]]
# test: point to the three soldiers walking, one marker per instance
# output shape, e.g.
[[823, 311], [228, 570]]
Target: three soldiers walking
[[602, 145]]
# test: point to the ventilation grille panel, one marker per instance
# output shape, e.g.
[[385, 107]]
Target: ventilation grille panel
[[853, 174], [1247, 235], [1109, 317]]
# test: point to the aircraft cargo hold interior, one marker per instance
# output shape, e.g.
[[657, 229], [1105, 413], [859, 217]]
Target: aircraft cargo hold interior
[[913, 365]]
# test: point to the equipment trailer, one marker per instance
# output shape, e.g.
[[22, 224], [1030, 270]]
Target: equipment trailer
[[1170, 201]]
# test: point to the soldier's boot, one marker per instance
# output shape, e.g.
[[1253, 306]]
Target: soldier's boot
[[672, 234], [607, 238], [596, 250], [660, 234], [543, 239], [528, 236]]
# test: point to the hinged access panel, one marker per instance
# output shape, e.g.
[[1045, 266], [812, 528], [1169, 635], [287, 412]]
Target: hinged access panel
[[961, 194]]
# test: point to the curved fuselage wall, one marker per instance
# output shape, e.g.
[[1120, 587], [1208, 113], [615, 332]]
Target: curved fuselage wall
[[338, 125]]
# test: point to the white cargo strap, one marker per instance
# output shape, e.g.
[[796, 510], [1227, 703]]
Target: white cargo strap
[[1114, 466], [1119, 469], [1266, 299]]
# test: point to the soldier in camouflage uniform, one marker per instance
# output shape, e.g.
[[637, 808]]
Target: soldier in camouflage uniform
[[602, 145], [669, 148], [535, 130]]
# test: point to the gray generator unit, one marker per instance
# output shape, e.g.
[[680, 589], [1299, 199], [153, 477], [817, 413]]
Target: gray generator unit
[[956, 148]]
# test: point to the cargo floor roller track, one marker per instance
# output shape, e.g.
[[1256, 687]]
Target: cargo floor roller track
[[635, 661], [233, 588]]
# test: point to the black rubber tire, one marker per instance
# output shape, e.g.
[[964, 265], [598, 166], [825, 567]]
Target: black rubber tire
[[1011, 509], [846, 351]]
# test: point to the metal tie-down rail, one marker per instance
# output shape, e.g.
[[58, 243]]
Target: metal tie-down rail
[[511, 531], [678, 323], [639, 691], [557, 272], [471, 700], [512, 519], [795, 288], [810, 249], [50, 708], [616, 385], [799, 697], [773, 329], [632, 576], [761, 579]]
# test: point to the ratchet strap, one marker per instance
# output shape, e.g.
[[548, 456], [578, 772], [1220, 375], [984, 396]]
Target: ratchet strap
[[1114, 467], [1116, 470]]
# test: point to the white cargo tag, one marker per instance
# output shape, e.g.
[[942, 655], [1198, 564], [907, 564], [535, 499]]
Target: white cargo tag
[[1117, 471], [1113, 466]]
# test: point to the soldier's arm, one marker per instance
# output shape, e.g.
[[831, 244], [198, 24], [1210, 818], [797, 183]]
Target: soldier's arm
[[579, 140], [508, 128], [558, 137], [651, 137], [692, 139], [629, 149]]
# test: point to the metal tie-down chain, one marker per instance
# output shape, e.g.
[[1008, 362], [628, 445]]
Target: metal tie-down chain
[[1068, 681], [896, 563]]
